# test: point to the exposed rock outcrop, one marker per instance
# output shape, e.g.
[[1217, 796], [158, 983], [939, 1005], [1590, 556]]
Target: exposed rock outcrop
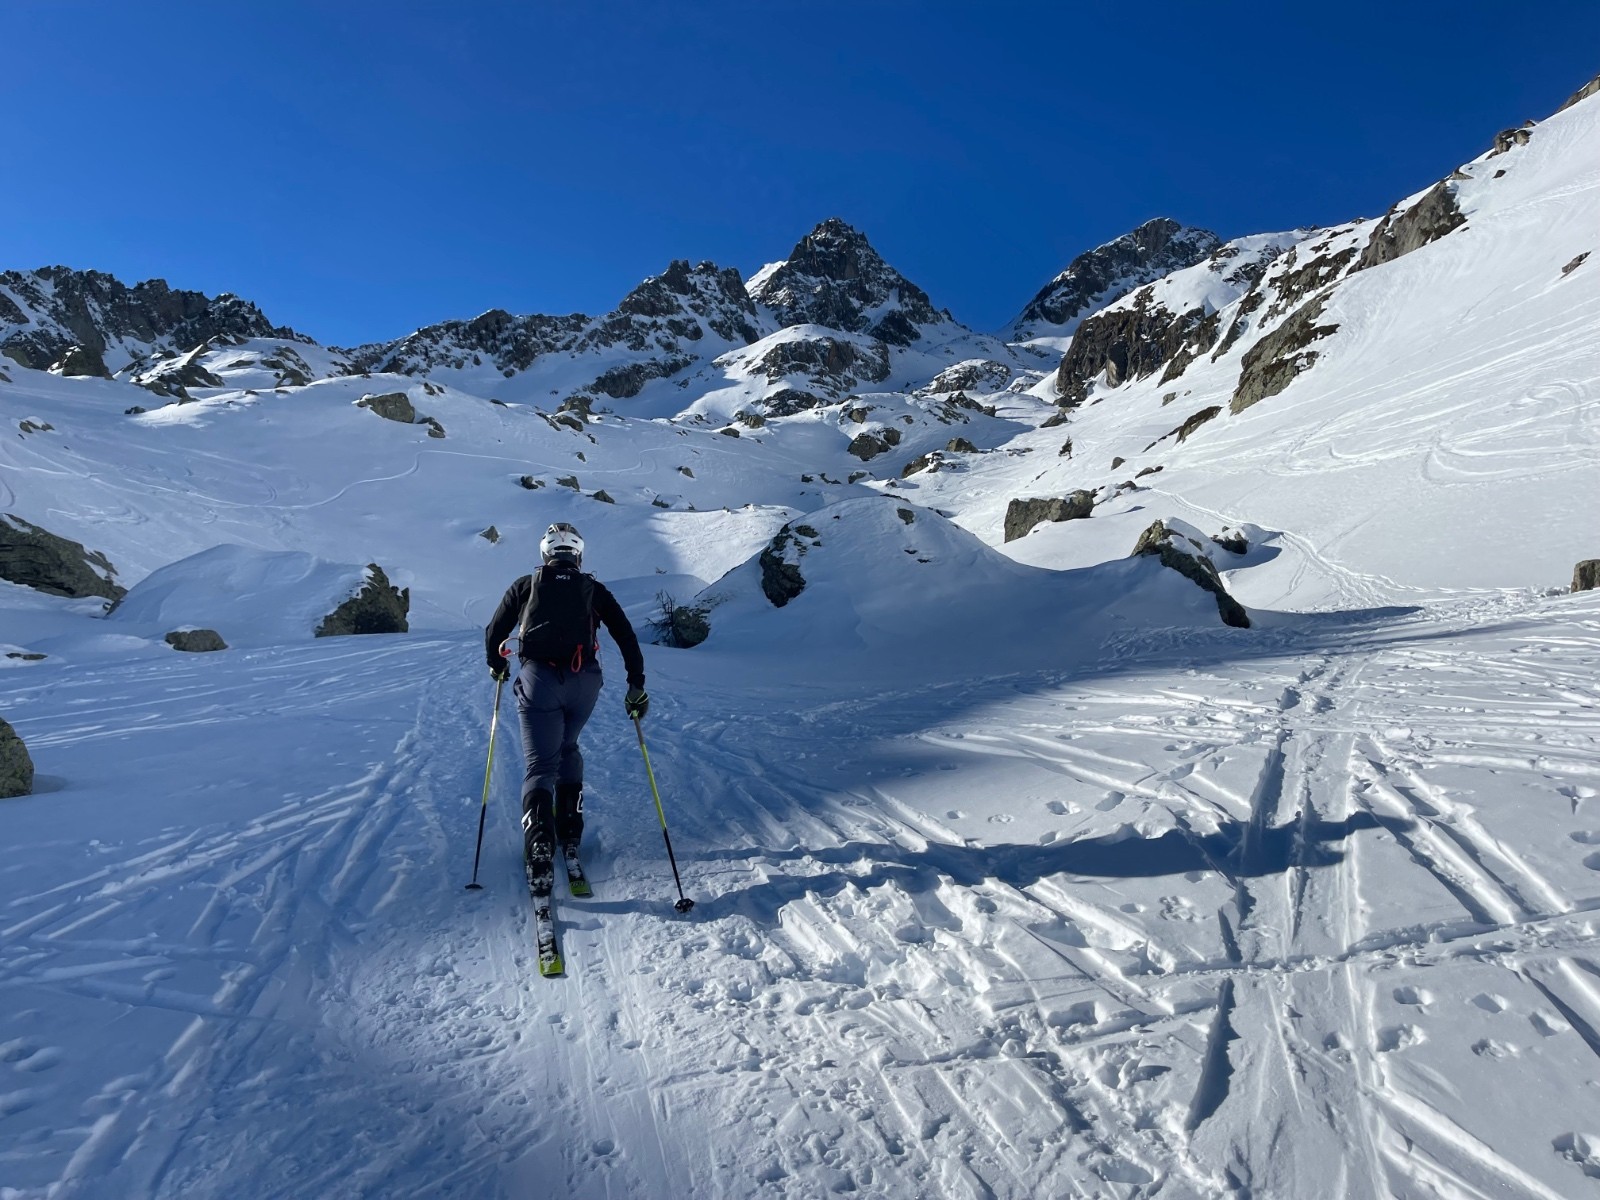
[[1130, 342], [16, 765], [1272, 363], [973, 374], [1589, 89], [1586, 575], [1102, 275], [1023, 515], [1401, 232], [835, 364], [1185, 553], [37, 558], [378, 607], [781, 580], [81, 361]]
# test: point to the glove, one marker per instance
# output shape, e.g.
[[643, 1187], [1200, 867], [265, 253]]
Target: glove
[[499, 672], [636, 704]]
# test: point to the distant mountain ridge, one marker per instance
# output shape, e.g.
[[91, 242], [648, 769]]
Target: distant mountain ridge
[[46, 313]]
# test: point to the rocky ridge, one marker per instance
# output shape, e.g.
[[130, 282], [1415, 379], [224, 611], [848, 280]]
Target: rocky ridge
[[90, 323], [1105, 274]]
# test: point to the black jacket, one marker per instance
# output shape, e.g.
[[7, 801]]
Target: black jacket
[[603, 608]]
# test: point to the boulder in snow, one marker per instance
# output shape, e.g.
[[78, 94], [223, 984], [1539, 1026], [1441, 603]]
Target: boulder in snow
[[1586, 575], [1182, 548], [1023, 515], [391, 406], [37, 558], [196, 641], [16, 766]]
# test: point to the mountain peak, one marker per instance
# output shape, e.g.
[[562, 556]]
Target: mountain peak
[[835, 278], [1097, 277]]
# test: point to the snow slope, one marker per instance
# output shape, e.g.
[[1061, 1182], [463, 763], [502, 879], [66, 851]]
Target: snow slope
[[1017, 874]]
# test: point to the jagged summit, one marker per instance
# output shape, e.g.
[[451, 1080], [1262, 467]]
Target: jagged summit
[[665, 324], [835, 278], [1097, 277], [47, 312]]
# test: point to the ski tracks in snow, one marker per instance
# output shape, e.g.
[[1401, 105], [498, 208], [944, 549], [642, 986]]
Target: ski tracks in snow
[[1182, 925], [1237, 996]]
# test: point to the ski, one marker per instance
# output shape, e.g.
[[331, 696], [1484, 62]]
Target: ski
[[541, 882], [577, 881], [550, 963]]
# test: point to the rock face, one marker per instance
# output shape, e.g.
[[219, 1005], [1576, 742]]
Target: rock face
[[46, 313], [1129, 343], [16, 765], [1186, 554], [1272, 363], [835, 278], [37, 558], [1586, 575], [1099, 276], [196, 641], [1169, 323], [1023, 515], [378, 607], [1401, 232]]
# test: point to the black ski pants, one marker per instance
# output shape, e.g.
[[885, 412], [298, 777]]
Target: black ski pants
[[554, 705]]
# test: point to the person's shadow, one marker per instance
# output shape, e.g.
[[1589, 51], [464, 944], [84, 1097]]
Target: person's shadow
[[1236, 851]]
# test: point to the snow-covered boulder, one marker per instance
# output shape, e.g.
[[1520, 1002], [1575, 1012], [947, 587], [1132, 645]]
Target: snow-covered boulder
[[1183, 548], [47, 562], [16, 765]]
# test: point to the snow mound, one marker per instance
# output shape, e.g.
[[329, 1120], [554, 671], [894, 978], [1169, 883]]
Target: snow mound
[[252, 597], [880, 580]]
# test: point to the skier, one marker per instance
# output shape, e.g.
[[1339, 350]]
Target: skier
[[550, 621]]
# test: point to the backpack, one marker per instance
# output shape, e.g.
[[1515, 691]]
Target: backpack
[[557, 626]]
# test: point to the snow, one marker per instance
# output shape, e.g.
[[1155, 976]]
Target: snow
[[1016, 873]]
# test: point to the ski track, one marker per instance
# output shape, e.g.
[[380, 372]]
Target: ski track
[[869, 996]]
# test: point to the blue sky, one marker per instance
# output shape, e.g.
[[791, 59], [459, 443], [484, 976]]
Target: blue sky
[[361, 169]]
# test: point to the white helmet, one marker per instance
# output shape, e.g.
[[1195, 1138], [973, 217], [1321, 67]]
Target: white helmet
[[563, 540]]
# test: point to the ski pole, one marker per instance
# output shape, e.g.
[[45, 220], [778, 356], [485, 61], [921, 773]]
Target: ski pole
[[683, 904], [494, 725]]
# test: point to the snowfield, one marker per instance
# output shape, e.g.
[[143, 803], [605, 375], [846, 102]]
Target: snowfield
[[1017, 874]]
